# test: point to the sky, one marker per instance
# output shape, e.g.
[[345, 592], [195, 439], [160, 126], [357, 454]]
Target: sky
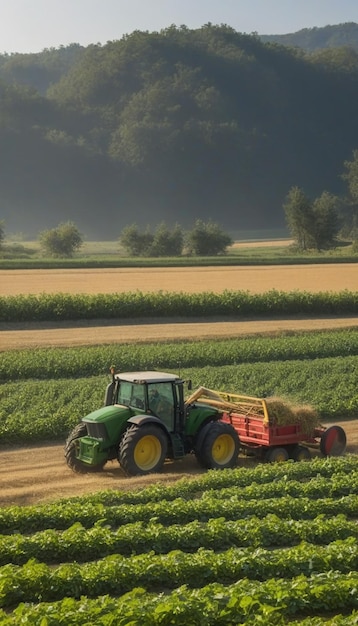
[[33, 25]]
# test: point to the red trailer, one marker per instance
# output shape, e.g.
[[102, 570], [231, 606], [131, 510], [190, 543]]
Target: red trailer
[[261, 434]]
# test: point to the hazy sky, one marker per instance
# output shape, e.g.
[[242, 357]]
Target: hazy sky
[[32, 25]]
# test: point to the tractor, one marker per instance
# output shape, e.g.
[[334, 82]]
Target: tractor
[[146, 420]]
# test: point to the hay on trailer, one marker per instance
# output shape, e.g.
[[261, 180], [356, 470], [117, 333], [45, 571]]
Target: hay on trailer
[[283, 413]]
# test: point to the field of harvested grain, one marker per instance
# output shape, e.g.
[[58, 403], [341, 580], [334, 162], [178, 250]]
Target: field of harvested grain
[[256, 279]]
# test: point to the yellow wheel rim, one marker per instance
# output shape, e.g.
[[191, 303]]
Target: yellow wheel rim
[[147, 452], [280, 457], [223, 449]]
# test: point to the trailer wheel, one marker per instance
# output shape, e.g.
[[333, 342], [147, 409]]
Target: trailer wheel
[[301, 453], [277, 455], [333, 441], [143, 449], [71, 447], [217, 446]]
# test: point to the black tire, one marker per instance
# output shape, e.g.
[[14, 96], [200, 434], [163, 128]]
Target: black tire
[[143, 449], [70, 452], [333, 441], [301, 453], [277, 455], [217, 446]]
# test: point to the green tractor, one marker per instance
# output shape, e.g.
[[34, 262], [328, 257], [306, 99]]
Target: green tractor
[[145, 420]]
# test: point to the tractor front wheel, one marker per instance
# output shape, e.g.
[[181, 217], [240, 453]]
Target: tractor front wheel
[[217, 446], [143, 450], [71, 447]]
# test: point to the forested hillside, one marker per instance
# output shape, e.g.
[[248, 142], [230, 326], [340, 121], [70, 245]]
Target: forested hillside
[[312, 39], [177, 125]]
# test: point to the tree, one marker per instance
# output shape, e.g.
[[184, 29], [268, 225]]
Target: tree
[[62, 241], [326, 224], [312, 224], [299, 218], [134, 242], [162, 243], [207, 239], [351, 176], [2, 232], [166, 242]]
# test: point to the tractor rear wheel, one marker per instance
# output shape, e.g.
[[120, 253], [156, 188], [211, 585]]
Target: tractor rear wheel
[[217, 446], [71, 447], [143, 450]]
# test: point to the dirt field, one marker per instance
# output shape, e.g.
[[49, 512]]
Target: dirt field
[[39, 474], [256, 279], [16, 337]]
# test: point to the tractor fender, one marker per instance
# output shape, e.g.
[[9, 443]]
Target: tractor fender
[[139, 420]]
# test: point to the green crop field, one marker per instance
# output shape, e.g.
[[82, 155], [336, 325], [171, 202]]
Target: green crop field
[[272, 545], [64, 384]]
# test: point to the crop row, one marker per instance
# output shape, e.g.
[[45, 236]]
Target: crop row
[[43, 410], [221, 530], [248, 483], [274, 602], [178, 511], [63, 306], [81, 544], [117, 575], [320, 472], [93, 360], [265, 485]]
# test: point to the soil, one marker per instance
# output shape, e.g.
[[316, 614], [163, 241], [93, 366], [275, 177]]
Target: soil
[[101, 332], [256, 279], [39, 474]]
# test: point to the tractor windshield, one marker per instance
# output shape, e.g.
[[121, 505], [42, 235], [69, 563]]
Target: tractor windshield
[[131, 394]]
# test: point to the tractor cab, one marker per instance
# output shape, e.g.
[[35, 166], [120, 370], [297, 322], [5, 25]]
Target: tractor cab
[[155, 394]]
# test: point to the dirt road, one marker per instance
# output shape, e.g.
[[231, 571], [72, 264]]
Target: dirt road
[[30, 475], [33, 335]]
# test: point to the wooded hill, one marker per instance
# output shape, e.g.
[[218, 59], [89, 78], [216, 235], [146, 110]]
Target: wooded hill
[[313, 39], [177, 125]]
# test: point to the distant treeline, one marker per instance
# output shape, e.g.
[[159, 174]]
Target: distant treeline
[[177, 125]]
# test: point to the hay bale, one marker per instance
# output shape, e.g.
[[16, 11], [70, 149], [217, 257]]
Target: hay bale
[[283, 413], [308, 419], [280, 412]]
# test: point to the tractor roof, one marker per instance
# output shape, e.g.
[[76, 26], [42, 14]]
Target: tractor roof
[[147, 377]]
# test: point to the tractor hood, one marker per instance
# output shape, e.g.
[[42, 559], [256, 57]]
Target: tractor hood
[[106, 413]]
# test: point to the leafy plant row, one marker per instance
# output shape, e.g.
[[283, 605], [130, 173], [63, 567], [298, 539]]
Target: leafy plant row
[[89, 509], [63, 306], [117, 574], [81, 544], [273, 602], [272, 256], [87, 361], [48, 410], [253, 603], [247, 482], [178, 511]]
